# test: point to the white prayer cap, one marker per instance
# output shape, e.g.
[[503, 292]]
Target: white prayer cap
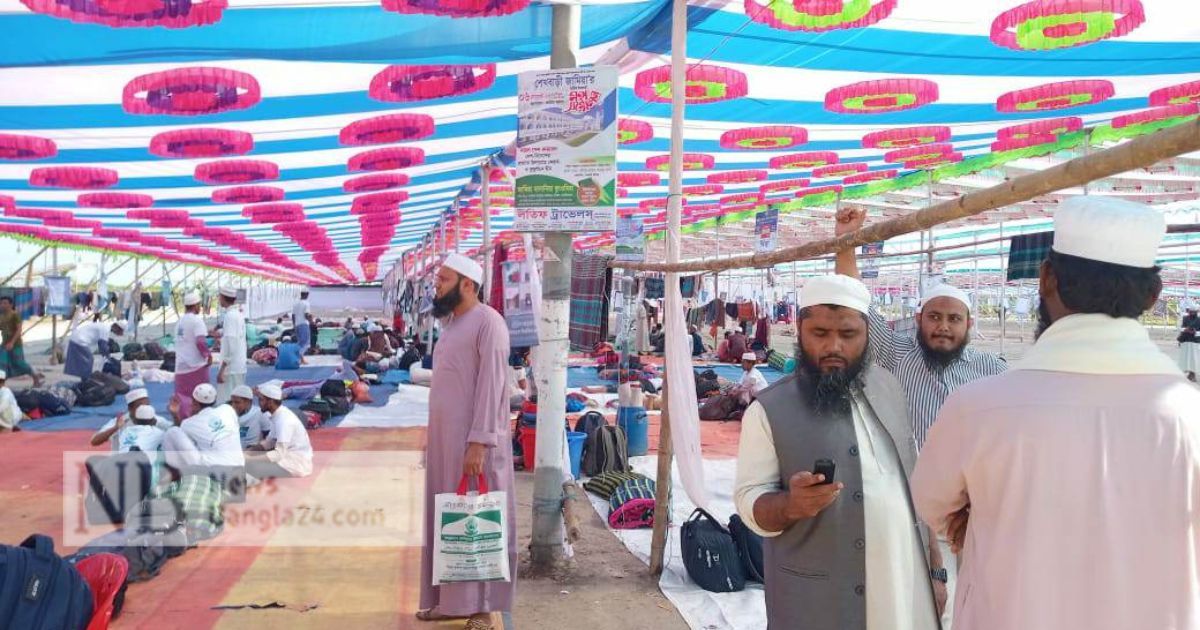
[[191, 299], [465, 266], [750, 356], [145, 412], [3, 375], [205, 394], [229, 292], [950, 291], [242, 391], [270, 391], [836, 290], [136, 394], [1109, 230], [286, 338]]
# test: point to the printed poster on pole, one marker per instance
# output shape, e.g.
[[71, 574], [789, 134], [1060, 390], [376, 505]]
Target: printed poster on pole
[[766, 226], [566, 150], [631, 239], [518, 303]]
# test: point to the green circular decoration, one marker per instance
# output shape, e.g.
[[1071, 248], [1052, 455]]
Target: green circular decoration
[[1093, 26], [852, 10], [1056, 102], [863, 103], [695, 91]]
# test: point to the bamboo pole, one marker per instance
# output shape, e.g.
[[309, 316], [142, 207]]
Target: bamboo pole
[[1137, 153], [662, 490]]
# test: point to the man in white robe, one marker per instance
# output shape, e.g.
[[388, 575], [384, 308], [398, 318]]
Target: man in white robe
[[232, 373]]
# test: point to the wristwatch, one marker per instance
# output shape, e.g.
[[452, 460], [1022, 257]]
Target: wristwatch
[[940, 575]]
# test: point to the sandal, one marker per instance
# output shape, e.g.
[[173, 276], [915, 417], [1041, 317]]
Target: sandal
[[432, 615]]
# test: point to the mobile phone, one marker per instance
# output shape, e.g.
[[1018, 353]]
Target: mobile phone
[[825, 467]]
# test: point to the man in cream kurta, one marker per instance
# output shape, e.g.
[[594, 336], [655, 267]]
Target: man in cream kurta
[[1072, 482], [233, 346]]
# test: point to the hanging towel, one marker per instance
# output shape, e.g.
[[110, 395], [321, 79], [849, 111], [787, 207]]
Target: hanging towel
[[1026, 253], [655, 288], [687, 286], [590, 280]]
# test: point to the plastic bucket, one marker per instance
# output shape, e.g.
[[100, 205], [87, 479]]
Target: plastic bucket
[[528, 443], [636, 424], [575, 442]]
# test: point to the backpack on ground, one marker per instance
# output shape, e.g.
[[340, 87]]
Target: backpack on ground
[[156, 533], [133, 351], [605, 484], [606, 450], [112, 366], [710, 555], [118, 384], [320, 407], [339, 406], [153, 350], [265, 356], [722, 407], [113, 346], [749, 547], [632, 504], [168, 362], [28, 400], [66, 393], [94, 393], [589, 422], [41, 591], [707, 383], [116, 484], [52, 405], [333, 388]]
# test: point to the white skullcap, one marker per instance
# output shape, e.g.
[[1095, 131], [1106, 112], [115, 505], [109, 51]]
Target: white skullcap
[[750, 356], [270, 391], [3, 375], [465, 266], [1109, 230], [229, 292], [286, 338], [836, 290], [145, 412], [205, 394], [242, 391], [191, 299], [136, 394], [947, 290]]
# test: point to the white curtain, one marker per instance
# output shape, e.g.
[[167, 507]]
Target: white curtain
[[681, 396]]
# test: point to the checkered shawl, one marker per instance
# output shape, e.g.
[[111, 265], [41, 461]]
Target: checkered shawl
[[589, 300], [605, 484], [1026, 253], [198, 498]]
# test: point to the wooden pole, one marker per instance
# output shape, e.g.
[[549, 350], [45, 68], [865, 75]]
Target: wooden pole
[[662, 490], [1137, 153]]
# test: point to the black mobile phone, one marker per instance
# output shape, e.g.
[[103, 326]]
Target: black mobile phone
[[825, 467]]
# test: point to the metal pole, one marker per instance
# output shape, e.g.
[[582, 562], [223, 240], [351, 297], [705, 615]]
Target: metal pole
[[553, 345], [1003, 292], [486, 198], [54, 318]]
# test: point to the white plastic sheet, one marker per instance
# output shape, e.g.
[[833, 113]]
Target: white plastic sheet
[[683, 408]]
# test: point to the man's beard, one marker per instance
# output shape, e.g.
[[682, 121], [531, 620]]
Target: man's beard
[[1043, 319], [444, 305], [827, 393], [940, 359]]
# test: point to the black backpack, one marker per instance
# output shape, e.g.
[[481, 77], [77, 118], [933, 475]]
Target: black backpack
[[41, 591], [749, 547], [589, 422], [52, 405], [156, 534], [320, 407], [333, 388], [133, 351], [118, 384], [606, 450], [112, 366], [168, 363], [28, 400], [113, 347], [153, 351], [339, 406], [710, 555], [94, 393]]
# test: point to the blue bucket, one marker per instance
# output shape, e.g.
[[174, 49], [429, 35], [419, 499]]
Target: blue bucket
[[636, 424], [575, 441]]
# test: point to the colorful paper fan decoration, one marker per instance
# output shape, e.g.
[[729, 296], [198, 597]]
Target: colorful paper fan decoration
[[456, 8], [147, 214], [1046, 127], [375, 182], [274, 212], [691, 162], [419, 83], [839, 170], [387, 159], [783, 185], [818, 15], [236, 171], [1176, 94], [871, 176], [881, 96], [803, 161], [737, 177], [387, 128], [631, 131], [1155, 115], [114, 200], [932, 163], [703, 84], [702, 190], [19, 147], [906, 137], [1053, 24], [133, 13], [819, 190], [746, 198], [1013, 143], [191, 92], [912, 154], [71, 223], [80, 177], [378, 202], [41, 214], [1052, 96], [771, 137], [657, 204], [201, 143], [247, 194]]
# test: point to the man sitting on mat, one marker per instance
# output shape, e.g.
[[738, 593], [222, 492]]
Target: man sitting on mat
[[252, 423], [286, 452], [291, 355], [208, 437], [111, 430], [10, 412]]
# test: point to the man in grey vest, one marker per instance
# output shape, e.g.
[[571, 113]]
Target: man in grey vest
[[850, 554]]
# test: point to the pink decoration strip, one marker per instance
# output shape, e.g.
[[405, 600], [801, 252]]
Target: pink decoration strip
[[1055, 24], [803, 161], [1176, 94], [900, 138], [771, 137], [839, 170], [134, 13], [949, 158], [78, 177], [7, 205], [635, 180], [647, 205], [881, 96], [419, 83], [201, 143], [736, 177], [752, 198], [691, 162], [191, 92], [817, 190], [1052, 96], [923, 152], [114, 200], [622, 192], [387, 159], [1014, 143], [818, 15], [236, 171], [1047, 126], [871, 176], [702, 190], [456, 8], [41, 214], [378, 202], [21, 147], [387, 128], [72, 223], [783, 185], [631, 131], [247, 194], [1156, 114], [274, 212], [375, 182], [703, 83]]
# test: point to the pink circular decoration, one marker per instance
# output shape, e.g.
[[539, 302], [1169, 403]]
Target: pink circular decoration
[[1155, 115], [737, 177], [819, 190], [691, 162], [839, 170], [803, 161], [114, 200], [387, 128], [1176, 94], [80, 177], [133, 13], [631, 131], [702, 190], [703, 84], [18, 147], [1013, 143], [7, 205], [191, 92], [1052, 96], [419, 83], [247, 194], [1054, 24], [783, 185], [375, 182], [818, 15], [634, 180], [932, 163], [387, 159], [772, 137], [923, 152], [378, 202], [456, 8], [1046, 127], [863, 178], [622, 192], [746, 198], [201, 143], [274, 212], [236, 171], [881, 96], [71, 223], [905, 137], [657, 204]]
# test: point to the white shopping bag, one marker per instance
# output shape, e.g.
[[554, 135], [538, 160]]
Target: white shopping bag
[[470, 542]]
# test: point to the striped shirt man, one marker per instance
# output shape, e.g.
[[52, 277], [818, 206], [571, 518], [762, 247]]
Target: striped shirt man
[[925, 386]]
